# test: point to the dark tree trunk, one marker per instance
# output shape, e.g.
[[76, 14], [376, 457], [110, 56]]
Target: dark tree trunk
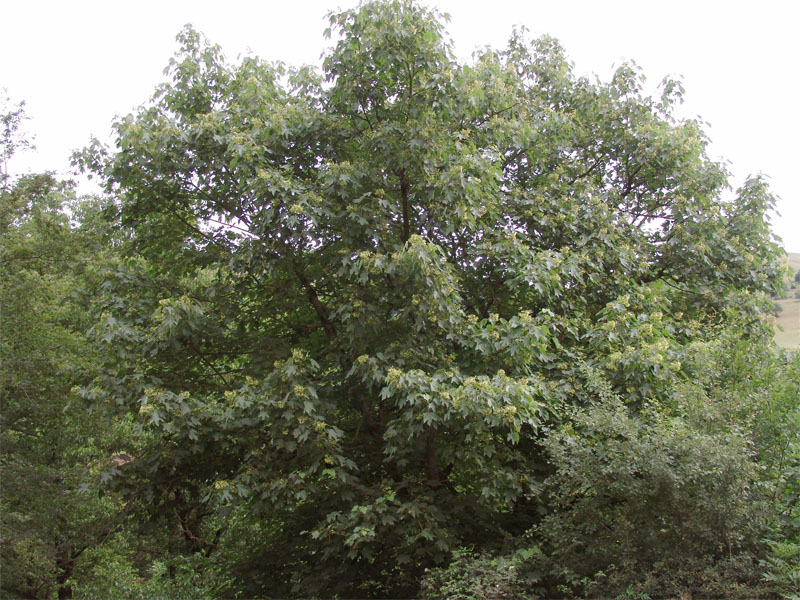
[[65, 562]]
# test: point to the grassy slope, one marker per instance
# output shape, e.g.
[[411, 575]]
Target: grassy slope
[[794, 261], [789, 318]]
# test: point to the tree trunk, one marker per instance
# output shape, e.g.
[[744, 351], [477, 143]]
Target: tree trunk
[[65, 562]]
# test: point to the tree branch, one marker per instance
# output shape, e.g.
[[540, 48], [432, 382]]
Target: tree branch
[[404, 198]]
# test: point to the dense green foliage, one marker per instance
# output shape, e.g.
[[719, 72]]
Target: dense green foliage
[[46, 523], [408, 326]]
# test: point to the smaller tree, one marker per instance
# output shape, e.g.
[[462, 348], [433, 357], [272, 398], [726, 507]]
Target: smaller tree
[[51, 244], [13, 139]]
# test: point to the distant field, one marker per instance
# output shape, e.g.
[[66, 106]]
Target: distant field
[[794, 261], [789, 318]]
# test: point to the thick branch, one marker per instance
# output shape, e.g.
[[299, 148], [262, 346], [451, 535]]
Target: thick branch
[[432, 474], [319, 307], [404, 198], [330, 331]]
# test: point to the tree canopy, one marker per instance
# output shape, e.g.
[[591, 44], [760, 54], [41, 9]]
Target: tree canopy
[[365, 316]]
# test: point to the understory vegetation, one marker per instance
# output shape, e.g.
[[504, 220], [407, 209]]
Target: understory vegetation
[[396, 327]]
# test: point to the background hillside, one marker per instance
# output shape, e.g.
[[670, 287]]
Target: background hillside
[[789, 318]]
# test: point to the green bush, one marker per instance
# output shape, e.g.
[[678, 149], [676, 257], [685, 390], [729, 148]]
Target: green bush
[[475, 577], [108, 572], [647, 503]]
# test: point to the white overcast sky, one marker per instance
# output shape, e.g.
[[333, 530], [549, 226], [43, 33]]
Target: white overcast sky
[[78, 64]]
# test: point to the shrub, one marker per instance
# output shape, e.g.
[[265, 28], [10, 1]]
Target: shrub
[[474, 577], [108, 572], [652, 502]]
